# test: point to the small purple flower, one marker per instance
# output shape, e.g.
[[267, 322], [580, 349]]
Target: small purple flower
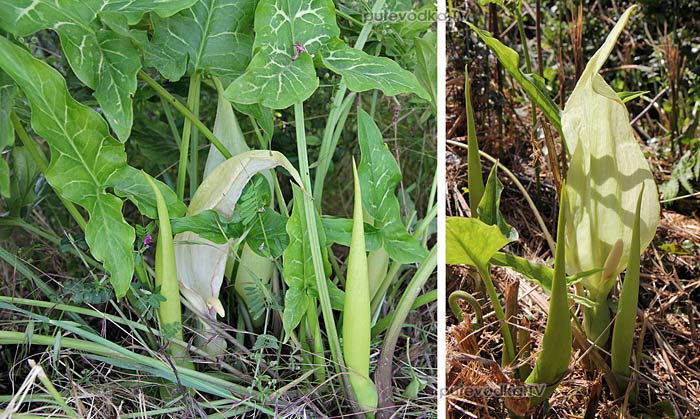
[[298, 50], [147, 240]]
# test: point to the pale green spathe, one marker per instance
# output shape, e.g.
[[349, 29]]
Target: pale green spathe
[[200, 262], [606, 174]]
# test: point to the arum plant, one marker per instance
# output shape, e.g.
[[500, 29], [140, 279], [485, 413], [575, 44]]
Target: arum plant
[[606, 174], [201, 263], [609, 212], [290, 39]]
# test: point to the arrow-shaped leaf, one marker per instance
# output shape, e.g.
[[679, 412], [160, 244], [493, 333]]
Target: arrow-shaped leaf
[[379, 175], [103, 60], [363, 72], [213, 35], [83, 158], [287, 34]]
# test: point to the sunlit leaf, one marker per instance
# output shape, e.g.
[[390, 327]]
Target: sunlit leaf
[[470, 241], [288, 33]]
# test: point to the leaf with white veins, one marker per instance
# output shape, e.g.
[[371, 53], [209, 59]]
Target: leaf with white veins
[[103, 60], [363, 72], [215, 36], [83, 159], [288, 34]]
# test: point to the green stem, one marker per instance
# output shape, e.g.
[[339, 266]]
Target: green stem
[[316, 257], [509, 353], [385, 364], [194, 141], [41, 161], [319, 364], [171, 121], [339, 106], [185, 112], [473, 303], [422, 300], [192, 98]]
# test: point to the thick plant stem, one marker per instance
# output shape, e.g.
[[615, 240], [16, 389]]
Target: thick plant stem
[[185, 112], [194, 140], [192, 99], [509, 350], [319, 363], [43, 164], [382, 376], [596, 319], [316, 257]]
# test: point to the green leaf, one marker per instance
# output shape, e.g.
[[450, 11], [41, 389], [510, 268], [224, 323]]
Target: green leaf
[[426, 67], [209, 225], [7, 99], [214, 36], [7, 133], [630, 96], [24, 174], [298, 270], [607, 171], [103, 60], [131, 183], [83, 158], [5, 189], [379, 175], [288, 33], [363, 72], [470, 241], [553, 361], [534, 89], [475, 180], [296, 302], [268, 236], [274, 80], [339, 230], [623, 330], [489, 209]]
